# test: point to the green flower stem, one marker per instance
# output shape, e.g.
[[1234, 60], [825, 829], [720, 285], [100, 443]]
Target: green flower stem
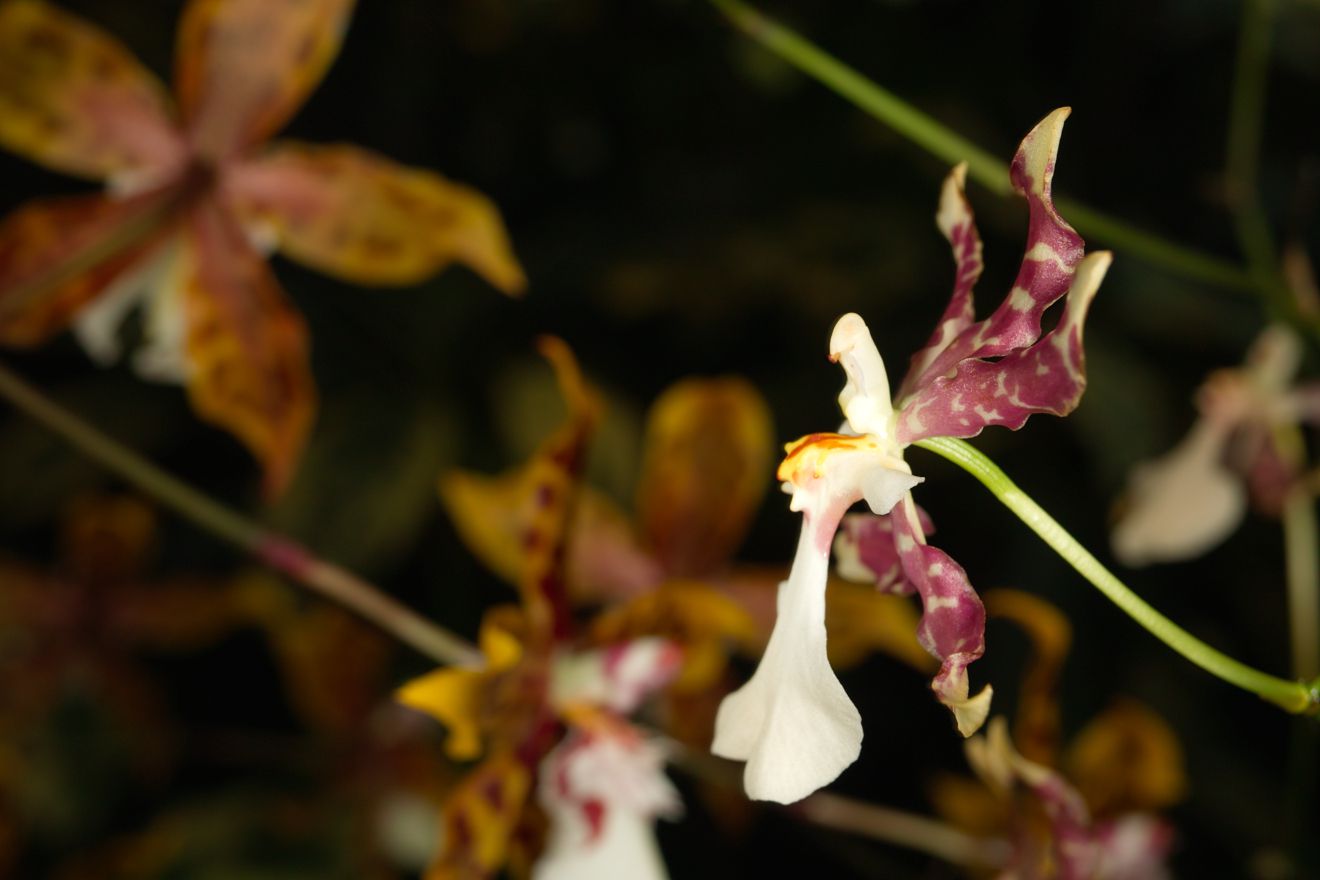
[[905, 829], [1296, 697], [1242, 164], [952, 148], [1302, 555], [1245, 123], [274, 550]]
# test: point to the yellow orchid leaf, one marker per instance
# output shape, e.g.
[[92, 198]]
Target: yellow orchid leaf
[[1127, 759], [861, 620], [518, 523], [501, 647], [247, 349], [491, 514], [455, 698], [709, 451], [462, 699], [75, 100], [359, 216], [58, 255], [556, 472], [480, 818], [243, 67], [1036, 728]]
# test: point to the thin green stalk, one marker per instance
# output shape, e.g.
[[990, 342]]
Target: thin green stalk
[[881, 103], [1242, 164], [905, 829], [1245, 124], [1296, 697], [950, 147], [1301, 534], [270, 548], [916, 832]]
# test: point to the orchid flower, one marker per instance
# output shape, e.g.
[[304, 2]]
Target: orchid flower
[[91, 618], [546, 714], [1188, 500], [193, 199], [667, 569], [1130, 847], [1099, 821], [792, 722]]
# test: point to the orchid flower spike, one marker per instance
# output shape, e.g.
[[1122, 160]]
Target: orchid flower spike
[[792, 722]]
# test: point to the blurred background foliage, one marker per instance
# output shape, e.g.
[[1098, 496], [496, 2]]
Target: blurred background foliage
[[683, 204]]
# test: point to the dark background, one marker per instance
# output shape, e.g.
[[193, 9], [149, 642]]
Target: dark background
[[685, 204]]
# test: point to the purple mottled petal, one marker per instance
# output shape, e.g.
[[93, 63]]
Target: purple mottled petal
[[1270, 471], [1074, 846], [952, 624], [956, 221], [1047, 377], [1053, 251], [865, 552]]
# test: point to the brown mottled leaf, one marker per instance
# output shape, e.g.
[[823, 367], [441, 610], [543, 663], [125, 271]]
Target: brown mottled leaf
[[243, 67], [75, 100], [247, 347], [359, 216]]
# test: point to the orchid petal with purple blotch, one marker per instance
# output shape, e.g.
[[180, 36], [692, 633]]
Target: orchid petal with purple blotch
[[1052, 254], [952, 624], [865, 552], [603, 793], [956, 221], [1046, 377], [617, 678]]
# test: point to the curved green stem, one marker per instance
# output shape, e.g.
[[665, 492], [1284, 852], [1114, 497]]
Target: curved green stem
[[987, 170], [1296, 697], [276, 551]]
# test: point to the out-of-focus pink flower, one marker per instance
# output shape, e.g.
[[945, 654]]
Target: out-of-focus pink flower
[[1185, 502]]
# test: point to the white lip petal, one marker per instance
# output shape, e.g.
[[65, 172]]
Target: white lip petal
[[163, 356], [625, 847], [1182, 504], [625, 780], [96, 326], [792, 722], [154, 285]]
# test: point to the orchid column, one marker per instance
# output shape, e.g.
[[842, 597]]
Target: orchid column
[[792, 722]]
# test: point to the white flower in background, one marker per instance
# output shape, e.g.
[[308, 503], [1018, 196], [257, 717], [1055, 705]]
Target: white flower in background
[[1187, 501]]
